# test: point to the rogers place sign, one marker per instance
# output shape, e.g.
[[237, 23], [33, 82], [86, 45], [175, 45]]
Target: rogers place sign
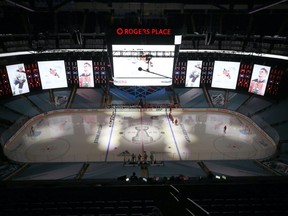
[[143, 31]]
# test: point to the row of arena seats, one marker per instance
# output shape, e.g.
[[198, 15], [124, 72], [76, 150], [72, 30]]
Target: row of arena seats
[[239, 196], [257, 197], [58, 199], [84, 207]]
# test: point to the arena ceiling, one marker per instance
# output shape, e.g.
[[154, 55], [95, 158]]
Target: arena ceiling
[[248, 17], [241, 25]]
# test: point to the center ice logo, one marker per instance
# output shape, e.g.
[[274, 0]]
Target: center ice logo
[[144, 133]]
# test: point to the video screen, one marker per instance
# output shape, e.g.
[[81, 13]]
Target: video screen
[[143, 65], [17, 79], [52, 74], [225, 74], [85, 73], [193, 73], [258, 83]]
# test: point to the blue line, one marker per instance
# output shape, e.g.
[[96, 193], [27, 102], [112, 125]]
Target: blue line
[[173, 135], [108, 147]]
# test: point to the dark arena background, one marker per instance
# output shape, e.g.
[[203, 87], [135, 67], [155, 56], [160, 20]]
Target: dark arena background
[[143, 108]]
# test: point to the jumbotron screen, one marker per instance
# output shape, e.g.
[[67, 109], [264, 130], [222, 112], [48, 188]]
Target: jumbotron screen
[[193, 73], [85, 72], [52, 74], [143, 65], [225, 74], [259, 79], [18, 79]]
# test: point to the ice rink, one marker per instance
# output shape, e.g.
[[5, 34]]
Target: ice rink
[[116, 134]]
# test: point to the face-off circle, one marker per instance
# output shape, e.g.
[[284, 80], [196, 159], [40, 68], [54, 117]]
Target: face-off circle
[[50, 149]]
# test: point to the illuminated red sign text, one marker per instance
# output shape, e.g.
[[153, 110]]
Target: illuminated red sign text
[[143, 31]]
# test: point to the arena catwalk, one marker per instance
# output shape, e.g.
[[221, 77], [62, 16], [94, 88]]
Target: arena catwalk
[[126, 134]]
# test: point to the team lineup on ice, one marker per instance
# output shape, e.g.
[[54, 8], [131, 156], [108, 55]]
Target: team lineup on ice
[[103, 135]]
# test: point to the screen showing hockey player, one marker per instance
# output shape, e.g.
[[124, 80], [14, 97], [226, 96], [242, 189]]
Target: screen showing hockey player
[[143, 65], [259, 79], [225, 74], [52, 74], [18, 79], [85, 72], [193, 73]]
